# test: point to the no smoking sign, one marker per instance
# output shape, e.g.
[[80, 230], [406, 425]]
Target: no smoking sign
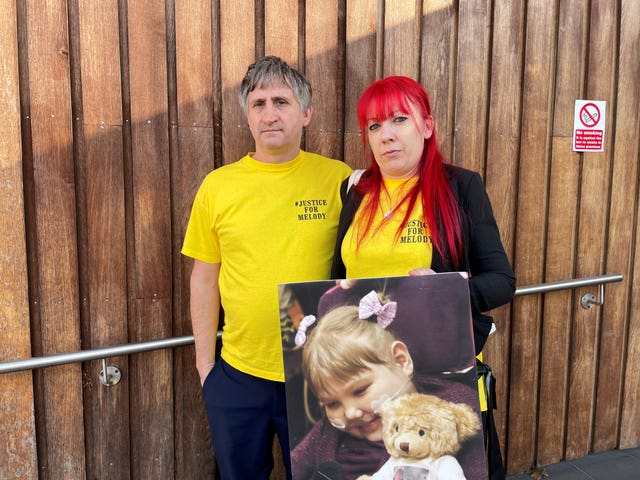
[[588, 126]]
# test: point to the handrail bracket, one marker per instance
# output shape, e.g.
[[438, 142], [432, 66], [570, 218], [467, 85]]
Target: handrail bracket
[[589, 300], [112, 375]]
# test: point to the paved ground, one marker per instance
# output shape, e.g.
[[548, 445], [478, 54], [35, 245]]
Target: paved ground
[[614, 465]]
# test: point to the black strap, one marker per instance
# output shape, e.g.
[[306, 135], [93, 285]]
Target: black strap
[[495, 463], [485, 371]]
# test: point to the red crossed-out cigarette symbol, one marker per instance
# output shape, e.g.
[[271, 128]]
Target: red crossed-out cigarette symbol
[[589, 115]]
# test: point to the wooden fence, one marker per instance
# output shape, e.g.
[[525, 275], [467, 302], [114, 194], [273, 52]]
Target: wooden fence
[[113, 112]]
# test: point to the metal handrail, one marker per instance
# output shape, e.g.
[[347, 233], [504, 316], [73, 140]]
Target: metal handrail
[[94, 354], [568, 284], [102, 353]]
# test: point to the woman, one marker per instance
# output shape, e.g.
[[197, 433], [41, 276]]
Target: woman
[[412, 213]]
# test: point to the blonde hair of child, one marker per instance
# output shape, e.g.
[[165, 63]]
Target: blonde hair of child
[[342, 345]]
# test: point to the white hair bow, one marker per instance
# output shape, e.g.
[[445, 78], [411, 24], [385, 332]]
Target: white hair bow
[[301, 335], [370, 305]]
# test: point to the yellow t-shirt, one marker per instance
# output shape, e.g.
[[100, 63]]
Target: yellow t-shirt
[[381, 254], [265, 224]]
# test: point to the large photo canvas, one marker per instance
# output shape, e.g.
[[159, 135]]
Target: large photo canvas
[[381, 379]]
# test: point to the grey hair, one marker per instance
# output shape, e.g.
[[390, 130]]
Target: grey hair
[[272, 69]]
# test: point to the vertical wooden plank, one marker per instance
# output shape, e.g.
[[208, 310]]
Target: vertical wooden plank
[[194, 63], [324, 70], [194, 453], [471, 84], [535, 91], [196, 28], [147, 54], [553, 379], [101, 92], [107, 429], [618, 228], [624, 200], [106, 408], [554, 350], [61, 452], [17, 425], [216, 41], [151, 374], [562, 231], [594, 192], [237, 52], [557, 311], [503, 143], [438, 61], [561, 238], [151, 403], [148, 76], [402, 21], [360, 71], [281, 30], [562, 235], [630, 418], [558, 306]]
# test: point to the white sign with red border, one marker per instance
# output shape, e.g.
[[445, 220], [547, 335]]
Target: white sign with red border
[[588, 126]]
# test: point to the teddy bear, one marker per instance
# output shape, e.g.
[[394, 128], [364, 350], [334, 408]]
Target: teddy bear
[[422, 433]]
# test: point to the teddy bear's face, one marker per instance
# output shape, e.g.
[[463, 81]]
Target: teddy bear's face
[[411, 437], [419, 426]]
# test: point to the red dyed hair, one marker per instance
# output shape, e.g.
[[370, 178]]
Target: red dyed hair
[[381, 100]]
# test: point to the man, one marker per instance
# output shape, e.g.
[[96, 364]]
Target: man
[[269, 218]]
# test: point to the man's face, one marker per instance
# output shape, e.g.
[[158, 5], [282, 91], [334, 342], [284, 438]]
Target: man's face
[[276, 121]]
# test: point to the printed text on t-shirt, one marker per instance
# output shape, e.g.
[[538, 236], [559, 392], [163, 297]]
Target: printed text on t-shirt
[[312, 209], [415, 232]]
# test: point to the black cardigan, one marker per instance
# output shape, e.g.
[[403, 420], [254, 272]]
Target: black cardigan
[[492, 281]]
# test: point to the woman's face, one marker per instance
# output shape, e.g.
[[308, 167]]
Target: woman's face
[[397, 142], [353, 406]]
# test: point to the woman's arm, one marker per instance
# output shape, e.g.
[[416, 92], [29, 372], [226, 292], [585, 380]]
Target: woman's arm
[[492, 282]]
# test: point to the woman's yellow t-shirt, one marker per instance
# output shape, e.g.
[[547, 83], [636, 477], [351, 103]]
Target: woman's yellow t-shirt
[[384, 253]]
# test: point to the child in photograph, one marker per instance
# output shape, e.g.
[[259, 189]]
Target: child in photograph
[[354, 363]]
